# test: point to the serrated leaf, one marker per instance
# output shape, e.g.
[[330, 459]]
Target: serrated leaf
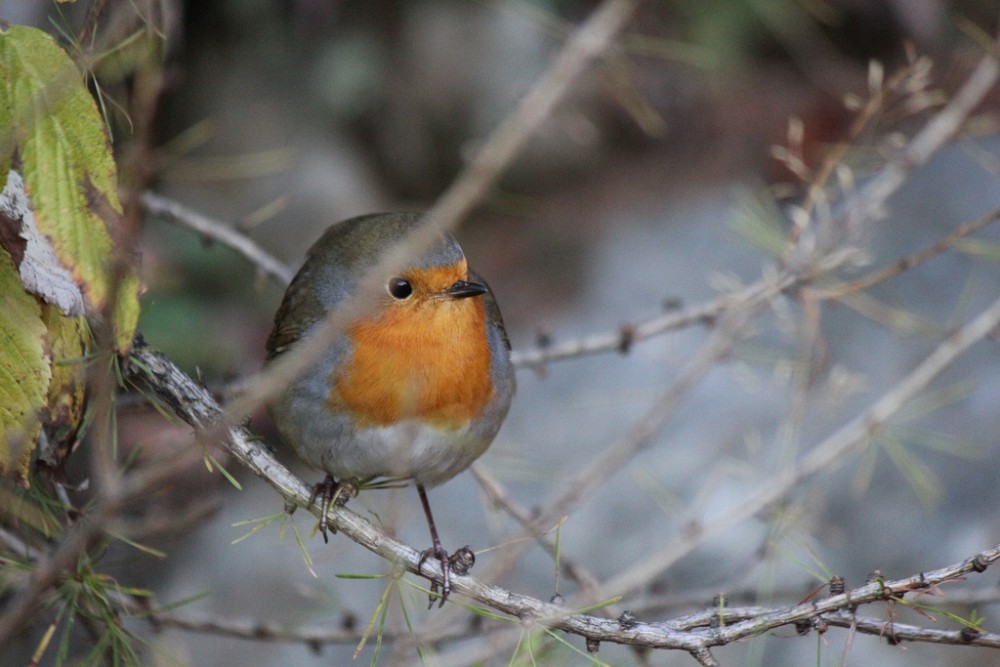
[[24, 372], [48, 115]]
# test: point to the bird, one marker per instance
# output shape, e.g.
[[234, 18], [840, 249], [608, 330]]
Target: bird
[[414, 390]]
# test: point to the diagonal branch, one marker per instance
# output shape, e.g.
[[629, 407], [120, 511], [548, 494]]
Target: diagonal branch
[[499, 150]]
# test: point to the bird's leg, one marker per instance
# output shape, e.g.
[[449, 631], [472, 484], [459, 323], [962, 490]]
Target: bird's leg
[[459, 562], [331, 492]]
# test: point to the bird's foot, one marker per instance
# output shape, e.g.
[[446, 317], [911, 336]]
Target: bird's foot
[[459, 562], [331, 492]]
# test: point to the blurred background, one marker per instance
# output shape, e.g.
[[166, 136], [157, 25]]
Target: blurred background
[[653, 188]]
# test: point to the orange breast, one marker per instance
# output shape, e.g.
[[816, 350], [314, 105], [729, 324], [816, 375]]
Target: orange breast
[[428, 360]]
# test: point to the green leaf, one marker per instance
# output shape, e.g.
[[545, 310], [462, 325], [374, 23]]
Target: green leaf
[[258, 524], [146, 549], [24, 372], [210, 460], [49, 118]]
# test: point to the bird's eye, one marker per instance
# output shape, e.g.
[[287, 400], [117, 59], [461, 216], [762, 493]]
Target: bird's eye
[[400, 288]]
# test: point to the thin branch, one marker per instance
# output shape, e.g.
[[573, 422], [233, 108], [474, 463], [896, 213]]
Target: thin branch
[[14, 543], [873, 592], [669, 601], [852, 632], [906, 263], [280, 632], [894, 632], [585, 45], [90, 23], [862, 120], [215, 230], [705, 313]]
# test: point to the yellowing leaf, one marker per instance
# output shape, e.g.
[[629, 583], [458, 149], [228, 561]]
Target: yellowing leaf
[[49, 116], [126, 316], [24, 372], [67, 344]]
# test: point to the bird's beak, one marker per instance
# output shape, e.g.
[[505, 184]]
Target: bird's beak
[[463, 289]]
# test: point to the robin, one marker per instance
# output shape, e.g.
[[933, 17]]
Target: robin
[[416, 391]]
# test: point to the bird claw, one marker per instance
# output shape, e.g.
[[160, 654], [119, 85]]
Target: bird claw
[[441, 592], [459, 562], [331, 493]]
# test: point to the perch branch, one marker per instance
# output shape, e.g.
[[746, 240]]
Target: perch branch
[[195, 405]]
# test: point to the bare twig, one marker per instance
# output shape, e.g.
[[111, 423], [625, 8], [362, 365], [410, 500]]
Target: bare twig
[[217, 231], [856, 210], [611, 341], [905, 263], [852, 632], [669, 601], [280, 632], [898, 632]]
